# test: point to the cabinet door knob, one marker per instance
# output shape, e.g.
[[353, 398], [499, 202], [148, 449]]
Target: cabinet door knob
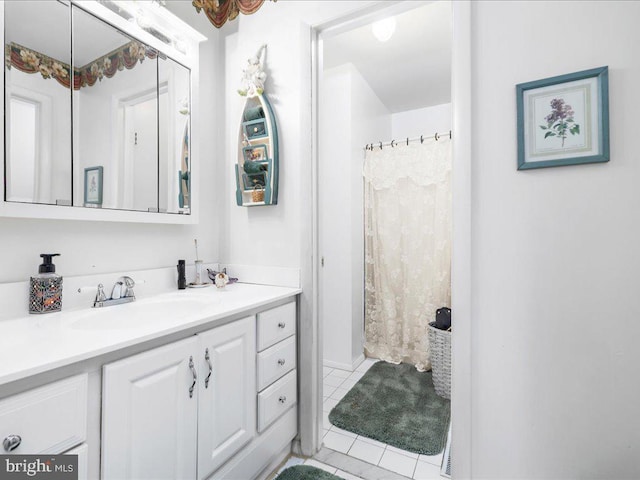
[[281, 361], [208, 359], [282, 325], [282, 399], [11, 442], [195, 377]]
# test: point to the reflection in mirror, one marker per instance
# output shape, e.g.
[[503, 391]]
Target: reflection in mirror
[[115, 119], [37, 102], [174, 160]]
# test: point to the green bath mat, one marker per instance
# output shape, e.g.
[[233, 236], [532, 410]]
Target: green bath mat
[[305, 472], [397, 405]]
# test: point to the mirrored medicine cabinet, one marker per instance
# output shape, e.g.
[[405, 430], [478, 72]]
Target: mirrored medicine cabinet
[[97, 112]]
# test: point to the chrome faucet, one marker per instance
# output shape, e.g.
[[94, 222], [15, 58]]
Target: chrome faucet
[[122, 292]]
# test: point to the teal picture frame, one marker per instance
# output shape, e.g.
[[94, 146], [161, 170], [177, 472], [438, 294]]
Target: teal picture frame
[[93, 186], [563, 120]]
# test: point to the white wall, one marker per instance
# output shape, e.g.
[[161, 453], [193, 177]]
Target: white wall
[[97, 247], [421, 121], [285, 28], [350, 115], [555, 261]]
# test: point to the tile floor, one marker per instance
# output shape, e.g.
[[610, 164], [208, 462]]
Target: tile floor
[[411, 465]]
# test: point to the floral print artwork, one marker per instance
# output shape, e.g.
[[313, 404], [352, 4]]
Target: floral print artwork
[[560, 121]]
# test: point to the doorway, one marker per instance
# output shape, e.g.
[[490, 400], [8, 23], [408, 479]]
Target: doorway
[[458, 114]]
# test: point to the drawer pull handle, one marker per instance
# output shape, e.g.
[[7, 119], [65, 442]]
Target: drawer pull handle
[[195, 377], [282, 399], [208, 359], [281, 361], [282, 325], [11, 442]]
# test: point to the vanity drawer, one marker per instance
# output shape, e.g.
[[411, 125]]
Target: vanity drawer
[[276, 324], [276, 399], [275, 361], [48, 419]]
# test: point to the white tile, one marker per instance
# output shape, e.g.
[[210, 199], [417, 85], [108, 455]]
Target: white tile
[[344, 432], [366, 365], [329, 403], [403, 452], [327, 391], [324, 432], [426, 471], [396, 462], [348, 384], [326, 371], [372, 441], [291, 462], [332, 381], [341, 373], [432, 459], [338, 442], [366, 451], [347, 476], [339, 393], [356, 375], [326, 424], [314, 463]]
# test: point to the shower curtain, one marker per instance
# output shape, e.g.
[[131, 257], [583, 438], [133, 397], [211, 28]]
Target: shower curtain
[[407, 247]]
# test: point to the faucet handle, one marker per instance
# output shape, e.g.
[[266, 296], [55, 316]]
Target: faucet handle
[[127, 285], [100, 296]]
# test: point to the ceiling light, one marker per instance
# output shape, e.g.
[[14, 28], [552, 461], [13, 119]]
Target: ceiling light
[[383, 29]]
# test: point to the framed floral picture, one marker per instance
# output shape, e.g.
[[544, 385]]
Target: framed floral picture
[[93, 187], [564, 120]]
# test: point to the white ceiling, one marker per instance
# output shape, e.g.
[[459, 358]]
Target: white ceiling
[[412, 69], [44, 26]]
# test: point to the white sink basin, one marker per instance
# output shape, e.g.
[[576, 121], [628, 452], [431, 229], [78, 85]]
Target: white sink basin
[[138, 314]]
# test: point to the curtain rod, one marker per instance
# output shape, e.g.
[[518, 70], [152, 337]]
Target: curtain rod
[[437, 136]]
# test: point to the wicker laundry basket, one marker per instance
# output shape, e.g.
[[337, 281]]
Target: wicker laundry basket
[[440, 347]]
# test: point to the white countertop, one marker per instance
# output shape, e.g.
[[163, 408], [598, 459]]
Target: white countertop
[[38, 343]]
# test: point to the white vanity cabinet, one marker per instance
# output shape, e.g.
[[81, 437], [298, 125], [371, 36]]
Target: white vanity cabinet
[[226, 402], [181, 410], [149, 414]]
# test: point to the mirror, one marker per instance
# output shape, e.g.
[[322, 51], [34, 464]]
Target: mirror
[[37, 103], [107, 126], [115, 121], [174, 98]]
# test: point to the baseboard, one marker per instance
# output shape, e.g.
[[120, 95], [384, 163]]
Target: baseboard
[[279, 460], [344, 366]]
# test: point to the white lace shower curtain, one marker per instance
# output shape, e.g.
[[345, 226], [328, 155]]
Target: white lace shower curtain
[[407, 247]]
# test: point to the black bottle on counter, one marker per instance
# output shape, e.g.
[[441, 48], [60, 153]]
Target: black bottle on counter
[[182, 279]]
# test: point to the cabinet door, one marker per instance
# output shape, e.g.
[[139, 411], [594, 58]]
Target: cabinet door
[[227, 404], [149, 418]]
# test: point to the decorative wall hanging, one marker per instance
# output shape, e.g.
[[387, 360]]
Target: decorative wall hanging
[[564, 120], [31, 61], [219, 11], [257, 167]]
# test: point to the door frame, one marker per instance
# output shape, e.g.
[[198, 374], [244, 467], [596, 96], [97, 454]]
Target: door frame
[[311, 423]]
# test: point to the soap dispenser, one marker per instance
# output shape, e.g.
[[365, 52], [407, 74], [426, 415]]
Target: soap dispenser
[[45, 291]]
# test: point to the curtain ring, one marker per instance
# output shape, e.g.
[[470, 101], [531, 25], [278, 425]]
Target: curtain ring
[[421, 139], [380, 145], [449, 134], [436, 136], [407, 141], [392, 143]]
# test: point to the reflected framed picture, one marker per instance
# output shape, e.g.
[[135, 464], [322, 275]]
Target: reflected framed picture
[[255, 153], [563, 120], [93, 186]]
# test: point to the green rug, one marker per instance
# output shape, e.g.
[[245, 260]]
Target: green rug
[[305, 472], [396, 405]]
